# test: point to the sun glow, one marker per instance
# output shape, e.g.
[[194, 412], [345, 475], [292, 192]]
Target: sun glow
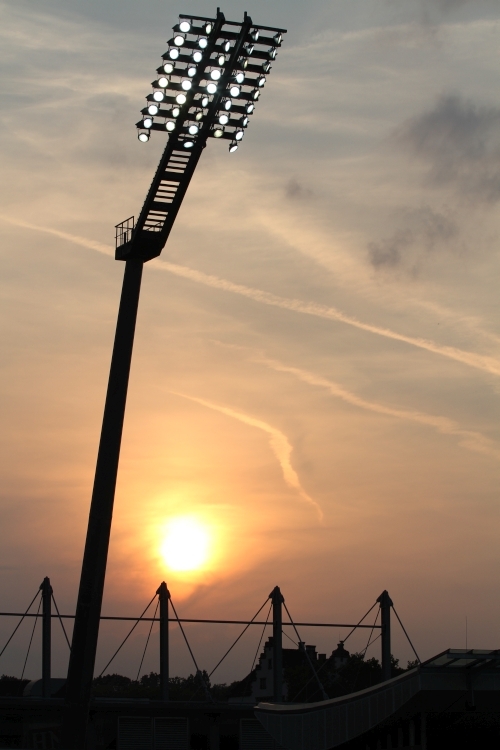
[[186, 544]]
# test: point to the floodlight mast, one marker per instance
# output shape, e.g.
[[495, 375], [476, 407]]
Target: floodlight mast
[[222, 45]]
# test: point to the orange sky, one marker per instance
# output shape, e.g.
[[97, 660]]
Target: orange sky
[[316, 368]]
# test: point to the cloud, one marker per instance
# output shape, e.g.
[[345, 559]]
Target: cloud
[[477, 361], [460, 141], [469, 439], [426, 230], [280, 445], [296, 190], [75, 239], [387, 253], [449, 5], [482, 362]]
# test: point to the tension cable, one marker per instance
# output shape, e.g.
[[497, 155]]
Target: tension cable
[[60, 620], [20, 621], [128, 635], [302, 646], [32, 634], [238, 638]]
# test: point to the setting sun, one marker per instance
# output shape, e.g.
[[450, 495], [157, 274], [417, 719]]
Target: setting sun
[[186, 544]]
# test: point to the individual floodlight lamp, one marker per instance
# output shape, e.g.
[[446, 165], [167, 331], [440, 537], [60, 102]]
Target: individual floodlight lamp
[[174, 108]]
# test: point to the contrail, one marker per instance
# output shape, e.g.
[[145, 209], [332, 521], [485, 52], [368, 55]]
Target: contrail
[[477, 361], [279, 443], [74, 238], [469, 439]]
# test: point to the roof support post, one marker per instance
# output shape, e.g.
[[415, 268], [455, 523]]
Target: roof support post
[[164, 596], [385, 602], [277, 601], [46, 590]]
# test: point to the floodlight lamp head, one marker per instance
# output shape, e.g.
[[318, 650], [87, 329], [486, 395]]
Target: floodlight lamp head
[[209, 81]]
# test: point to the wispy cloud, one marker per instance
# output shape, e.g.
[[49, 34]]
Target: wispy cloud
[[280, 445], [482, 362], [74, 238], [469, 439], [459, 140], [478, 361]]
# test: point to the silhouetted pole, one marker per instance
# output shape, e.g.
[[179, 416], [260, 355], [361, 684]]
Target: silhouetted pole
[[385, 602], [164, 596], [277, 601], [46, 590], [88, 608]]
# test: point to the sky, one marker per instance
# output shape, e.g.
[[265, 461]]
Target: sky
[[316, 371]]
